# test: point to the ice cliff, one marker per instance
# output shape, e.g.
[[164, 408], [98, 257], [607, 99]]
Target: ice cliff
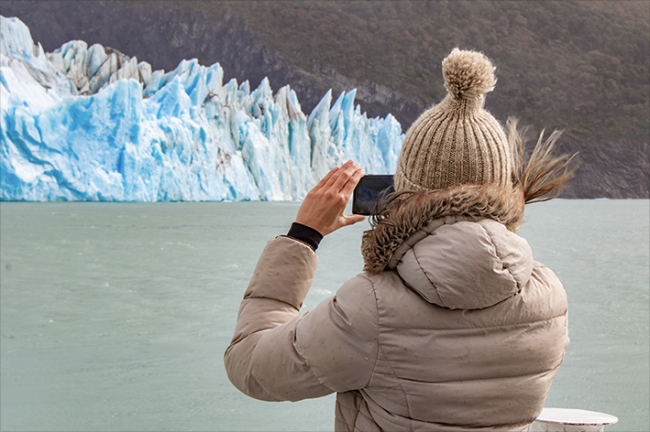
[[91, 124]]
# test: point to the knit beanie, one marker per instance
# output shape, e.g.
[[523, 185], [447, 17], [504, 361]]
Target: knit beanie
[[457, 141]]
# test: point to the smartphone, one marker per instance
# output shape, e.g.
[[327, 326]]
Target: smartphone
[[369, 190]]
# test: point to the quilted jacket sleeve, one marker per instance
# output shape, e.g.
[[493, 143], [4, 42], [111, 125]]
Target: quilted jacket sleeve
[[279, 354]]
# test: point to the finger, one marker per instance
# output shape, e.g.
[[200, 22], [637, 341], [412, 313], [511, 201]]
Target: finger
[[351, 219], [333, 178], [352, 183], [344, 177]]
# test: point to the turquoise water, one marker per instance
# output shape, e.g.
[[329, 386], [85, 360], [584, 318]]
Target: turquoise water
[[116, 316]]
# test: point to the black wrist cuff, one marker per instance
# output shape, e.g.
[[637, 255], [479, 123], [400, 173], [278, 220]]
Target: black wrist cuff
[[305, 234]]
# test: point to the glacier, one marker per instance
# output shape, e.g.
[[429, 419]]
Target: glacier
[[91, 124]]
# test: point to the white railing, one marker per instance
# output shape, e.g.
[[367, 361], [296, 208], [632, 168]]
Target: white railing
[[571, 420]]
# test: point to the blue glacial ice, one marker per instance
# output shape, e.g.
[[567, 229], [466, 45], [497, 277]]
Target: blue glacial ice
[[91, 124]]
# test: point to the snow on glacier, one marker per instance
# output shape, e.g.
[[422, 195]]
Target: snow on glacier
[[91, 124]]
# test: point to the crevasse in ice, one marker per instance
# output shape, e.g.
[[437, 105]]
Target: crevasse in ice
[[89, 123]]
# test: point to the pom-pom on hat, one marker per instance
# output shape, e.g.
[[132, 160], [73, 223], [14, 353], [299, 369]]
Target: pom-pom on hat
[[457, 141]]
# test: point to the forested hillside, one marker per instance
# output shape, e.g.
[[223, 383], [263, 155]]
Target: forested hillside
[[580, 66]]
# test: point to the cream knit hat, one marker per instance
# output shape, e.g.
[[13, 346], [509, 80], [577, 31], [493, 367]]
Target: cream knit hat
[[457, 141]]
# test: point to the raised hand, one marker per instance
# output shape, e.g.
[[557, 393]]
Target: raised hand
[[324, 205]]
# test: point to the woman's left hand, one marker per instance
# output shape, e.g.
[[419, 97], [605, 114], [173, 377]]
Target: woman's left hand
[[324, 205]]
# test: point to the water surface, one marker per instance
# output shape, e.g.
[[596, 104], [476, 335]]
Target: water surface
[[116, 316]]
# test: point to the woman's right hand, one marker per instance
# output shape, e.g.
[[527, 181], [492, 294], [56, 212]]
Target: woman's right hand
[[325, 204]]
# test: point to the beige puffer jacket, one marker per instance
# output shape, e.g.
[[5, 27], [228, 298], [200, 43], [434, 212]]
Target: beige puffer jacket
[[462, 330]]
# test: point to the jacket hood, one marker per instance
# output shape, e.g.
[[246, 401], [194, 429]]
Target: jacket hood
[[452, 246]]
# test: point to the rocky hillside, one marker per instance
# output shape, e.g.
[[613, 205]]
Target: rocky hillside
[[577, 66]]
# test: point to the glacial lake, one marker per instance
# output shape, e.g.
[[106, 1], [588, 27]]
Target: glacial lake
[[116, 316]]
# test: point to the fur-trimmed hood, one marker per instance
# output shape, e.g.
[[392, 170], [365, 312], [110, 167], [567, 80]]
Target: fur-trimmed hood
[[453, 246]]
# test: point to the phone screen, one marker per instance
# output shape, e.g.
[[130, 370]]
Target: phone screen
[[369, 189]]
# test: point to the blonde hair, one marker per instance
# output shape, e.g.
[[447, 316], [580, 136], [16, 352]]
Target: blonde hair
[[542, 174]]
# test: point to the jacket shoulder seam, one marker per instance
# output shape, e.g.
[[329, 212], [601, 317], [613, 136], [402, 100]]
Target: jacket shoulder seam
[[374, 293], [380, 350], [304, 359]]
